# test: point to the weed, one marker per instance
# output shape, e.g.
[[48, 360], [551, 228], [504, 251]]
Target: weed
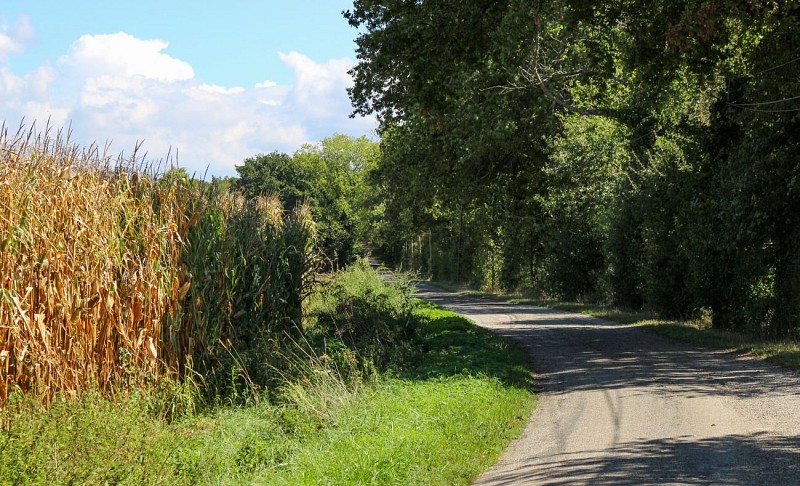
[[368, 315]]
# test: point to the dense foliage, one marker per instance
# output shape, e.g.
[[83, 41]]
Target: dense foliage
[[331, 177], [640, 152], [360, 312]]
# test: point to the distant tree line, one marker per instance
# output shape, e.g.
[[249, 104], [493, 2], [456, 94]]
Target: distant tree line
[[640, 152], [332, 177]]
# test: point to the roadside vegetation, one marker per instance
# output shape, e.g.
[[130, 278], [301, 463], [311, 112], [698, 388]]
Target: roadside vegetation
[[438, 409], [159, 329], [332, 177], [112, 278]]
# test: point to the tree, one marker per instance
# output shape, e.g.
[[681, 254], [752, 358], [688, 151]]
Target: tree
[[329, 175], [274, 173], [338, 167], [643, 151]]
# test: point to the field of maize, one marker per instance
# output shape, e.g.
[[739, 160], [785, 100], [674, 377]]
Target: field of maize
[[112, 277]]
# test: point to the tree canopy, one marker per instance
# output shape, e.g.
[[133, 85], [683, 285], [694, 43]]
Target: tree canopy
[[641, 152], [331, 176]]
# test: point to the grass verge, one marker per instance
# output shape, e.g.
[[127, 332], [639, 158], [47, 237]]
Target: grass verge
[[782, 353], [441, 421]]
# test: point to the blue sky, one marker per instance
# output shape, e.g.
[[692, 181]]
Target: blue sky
[[216, 81]]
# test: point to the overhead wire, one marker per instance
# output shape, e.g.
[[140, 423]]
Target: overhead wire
[[778, 66], [762, 103]]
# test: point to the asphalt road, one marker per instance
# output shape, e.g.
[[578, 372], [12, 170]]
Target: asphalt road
[[622, 406]]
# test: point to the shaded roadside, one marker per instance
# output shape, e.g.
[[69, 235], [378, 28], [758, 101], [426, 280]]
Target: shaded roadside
[[622, 406]]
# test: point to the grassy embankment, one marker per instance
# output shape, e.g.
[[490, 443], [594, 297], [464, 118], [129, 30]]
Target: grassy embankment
[[159, 330], [440, 421], [780, 352]]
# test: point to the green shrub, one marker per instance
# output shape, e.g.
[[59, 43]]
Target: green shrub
[[368, 315]]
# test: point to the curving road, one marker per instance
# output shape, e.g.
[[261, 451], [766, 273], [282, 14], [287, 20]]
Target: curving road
[[621, 406]]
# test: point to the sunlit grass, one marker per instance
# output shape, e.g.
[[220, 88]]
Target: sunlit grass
[[438, 431], [442, 421]]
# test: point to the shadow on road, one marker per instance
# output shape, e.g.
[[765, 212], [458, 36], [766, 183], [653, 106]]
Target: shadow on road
[[622, 406], [585, 353], [721, 460]]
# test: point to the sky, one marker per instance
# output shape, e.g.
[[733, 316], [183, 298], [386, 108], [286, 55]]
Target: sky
[[213, 82]]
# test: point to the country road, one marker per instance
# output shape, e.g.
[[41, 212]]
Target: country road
[[620, 406]]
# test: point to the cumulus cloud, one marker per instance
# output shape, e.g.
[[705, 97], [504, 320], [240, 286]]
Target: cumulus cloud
[[215, 89], [316, 81], [266, 84], [121, 88], [15, 37], [319, 93], [125, 56]]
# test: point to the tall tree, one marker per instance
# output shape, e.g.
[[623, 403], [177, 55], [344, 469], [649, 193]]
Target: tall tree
[[274, 173], [639, 150]]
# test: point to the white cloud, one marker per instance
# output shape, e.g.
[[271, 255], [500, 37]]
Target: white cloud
[[216, 89], [125, 55], [316, 84], [14, 38], [117, 87], [266, 84]]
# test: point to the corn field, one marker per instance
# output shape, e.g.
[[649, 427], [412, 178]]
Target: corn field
[[111, 277]]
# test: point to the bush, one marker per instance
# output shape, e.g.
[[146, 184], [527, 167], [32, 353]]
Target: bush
[[368, 315]]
